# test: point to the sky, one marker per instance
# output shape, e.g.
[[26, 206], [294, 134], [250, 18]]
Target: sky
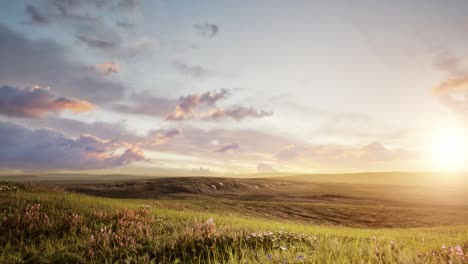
[[232, 86]]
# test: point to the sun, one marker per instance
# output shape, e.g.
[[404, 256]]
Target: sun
[[448, 149]]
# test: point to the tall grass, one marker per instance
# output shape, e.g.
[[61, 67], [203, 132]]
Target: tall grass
[[44, 225]]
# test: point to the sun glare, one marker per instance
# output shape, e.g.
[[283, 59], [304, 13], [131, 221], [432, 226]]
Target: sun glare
[[448, 149]]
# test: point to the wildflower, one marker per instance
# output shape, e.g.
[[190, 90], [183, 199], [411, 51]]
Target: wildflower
[[269, 256], [283, 248], [444, 247], [458, 250]]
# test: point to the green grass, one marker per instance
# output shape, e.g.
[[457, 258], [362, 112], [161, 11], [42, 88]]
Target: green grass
[[41, 225]]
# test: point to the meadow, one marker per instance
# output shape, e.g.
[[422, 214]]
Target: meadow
[[48, 224]]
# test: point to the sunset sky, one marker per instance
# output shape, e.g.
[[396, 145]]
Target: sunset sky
[[232, 86]]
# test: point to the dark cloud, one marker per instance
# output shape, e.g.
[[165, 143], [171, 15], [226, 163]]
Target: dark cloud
[[67, 7], [23, 148], [227, 147], [96, 43], [124, 24], [35, 16], [207, 30], [236, 112], [172, 132], [128, 4], [195, 71], [71, 7], [45, 63], [36, 102], [90, 23]]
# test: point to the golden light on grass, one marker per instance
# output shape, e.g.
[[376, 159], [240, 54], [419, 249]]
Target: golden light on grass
[[448, 149]]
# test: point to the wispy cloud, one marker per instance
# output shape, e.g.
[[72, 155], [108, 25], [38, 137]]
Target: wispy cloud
[[195, 71], [236, 112], [207, 30], [106, 68], [265, 167], [452, 92], [346, 154], [35, 15], [96, 43], [145, 103], [227, 147]]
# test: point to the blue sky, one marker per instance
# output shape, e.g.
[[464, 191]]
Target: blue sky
[[303, 86]]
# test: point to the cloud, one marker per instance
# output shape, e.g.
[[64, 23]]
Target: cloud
[[35, 16], [66, 7], [290, 152], [186, 104], [455, 84], [116, 131], [201, 171], [336, 154], [106, 68], [23, 148], [237, 113], [206, 30], [124, 24], [265, 167], [96, 43], [201, 142], [227, 147], [158, 137], [72, 7], [128, 4], [45, 63], [94, 23], [447, 62], [36, 102], [146, 103], [172, 132], [452, 92], [195, 71]]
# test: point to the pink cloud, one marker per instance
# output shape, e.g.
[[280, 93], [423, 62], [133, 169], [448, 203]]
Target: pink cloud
[[36, 102]]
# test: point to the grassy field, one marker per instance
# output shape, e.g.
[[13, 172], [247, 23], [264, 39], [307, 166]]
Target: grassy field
[[41, 224]]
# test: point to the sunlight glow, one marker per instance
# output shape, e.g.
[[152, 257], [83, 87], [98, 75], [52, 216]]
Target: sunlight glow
[[448, 149]]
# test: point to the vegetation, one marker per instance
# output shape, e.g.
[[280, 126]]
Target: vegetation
[[49, 225]]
